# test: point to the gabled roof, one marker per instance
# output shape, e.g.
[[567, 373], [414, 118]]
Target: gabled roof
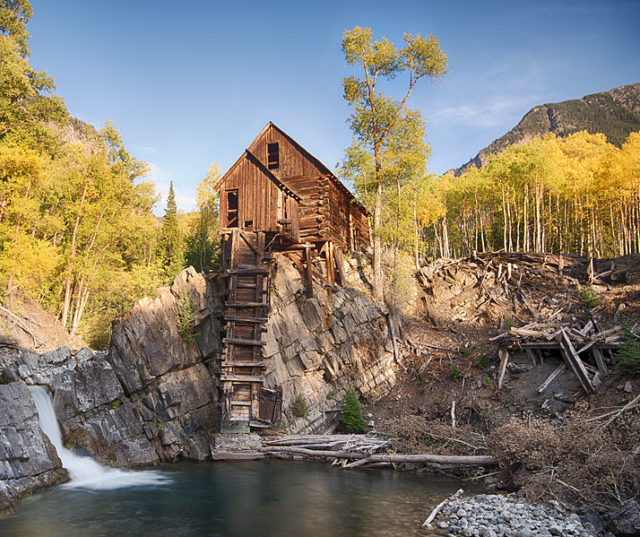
[[314, 160], [248, 154], [326, 171]]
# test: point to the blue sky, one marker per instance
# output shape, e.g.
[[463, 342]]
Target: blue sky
[[192, 83]]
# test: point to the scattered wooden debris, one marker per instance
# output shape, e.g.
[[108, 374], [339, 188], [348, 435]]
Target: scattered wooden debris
[[504, 359]]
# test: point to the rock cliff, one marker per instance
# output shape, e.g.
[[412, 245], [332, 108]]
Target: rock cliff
[[28, 461], [154, 397], [318, 347]]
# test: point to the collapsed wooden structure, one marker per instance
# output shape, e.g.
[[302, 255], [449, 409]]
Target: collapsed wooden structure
[[587, 352], [275, 197]]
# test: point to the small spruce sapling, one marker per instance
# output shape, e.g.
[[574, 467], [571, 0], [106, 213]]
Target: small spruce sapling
[[299, 406], [351, 418], [186, 311], [629, 351]]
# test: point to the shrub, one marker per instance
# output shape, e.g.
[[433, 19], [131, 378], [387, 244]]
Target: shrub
[[455, 372], [299, 406], [481, 361], [590, 298], [629, 351], [186, 315], [331, 394], [509, 324], [116, 404], [351, 418], [487, 382]]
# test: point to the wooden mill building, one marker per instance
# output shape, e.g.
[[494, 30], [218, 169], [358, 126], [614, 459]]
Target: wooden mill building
[[276, 197]]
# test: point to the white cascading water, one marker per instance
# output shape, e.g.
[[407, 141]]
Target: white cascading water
[[84, 471]]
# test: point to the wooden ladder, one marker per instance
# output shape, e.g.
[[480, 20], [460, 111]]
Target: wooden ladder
[[245, 266]]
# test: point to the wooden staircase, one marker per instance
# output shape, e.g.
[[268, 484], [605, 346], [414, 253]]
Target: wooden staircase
[[245, 269]]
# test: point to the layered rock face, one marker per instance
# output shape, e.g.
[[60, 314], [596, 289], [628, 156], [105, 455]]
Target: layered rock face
[[321, 346], [154, 396], [28, 461]]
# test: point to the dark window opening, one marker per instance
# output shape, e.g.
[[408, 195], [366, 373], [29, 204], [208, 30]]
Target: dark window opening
[[248, 224], [232, 208], [273, 156]]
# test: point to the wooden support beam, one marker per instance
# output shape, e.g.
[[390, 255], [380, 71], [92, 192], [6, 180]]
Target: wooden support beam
[[246, 304], [237, 319], [340, 267], [248, 271], [248, 342], [575, 363], [307, 259], [242, 378], [556, 372], [599, 358]]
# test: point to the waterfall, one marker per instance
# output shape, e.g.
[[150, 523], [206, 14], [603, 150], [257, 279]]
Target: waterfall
[[84, 471]]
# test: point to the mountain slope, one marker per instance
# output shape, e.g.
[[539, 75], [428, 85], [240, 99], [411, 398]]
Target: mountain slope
[[615, 113]]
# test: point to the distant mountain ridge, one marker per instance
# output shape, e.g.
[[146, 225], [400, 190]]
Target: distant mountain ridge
[[614, 113]]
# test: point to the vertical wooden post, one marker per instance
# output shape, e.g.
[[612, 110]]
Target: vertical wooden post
[[352, 242], [340, 267], [328, 252], [307, 259]]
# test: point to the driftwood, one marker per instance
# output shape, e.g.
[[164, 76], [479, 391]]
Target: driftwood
[[438, 507], [453, 414]]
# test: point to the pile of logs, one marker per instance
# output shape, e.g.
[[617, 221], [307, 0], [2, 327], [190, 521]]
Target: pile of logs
[[356, 450], [485, 287]]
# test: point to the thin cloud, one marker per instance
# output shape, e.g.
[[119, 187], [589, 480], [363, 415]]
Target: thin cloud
[[495, 111], [144, 150]]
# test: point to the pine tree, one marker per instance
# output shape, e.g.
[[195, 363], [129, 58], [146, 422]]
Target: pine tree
[[171, 243]]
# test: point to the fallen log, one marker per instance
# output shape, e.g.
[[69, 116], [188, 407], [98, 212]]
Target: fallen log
[[461, 460], [444, 502]]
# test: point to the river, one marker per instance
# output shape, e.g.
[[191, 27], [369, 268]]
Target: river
[[238, 499]]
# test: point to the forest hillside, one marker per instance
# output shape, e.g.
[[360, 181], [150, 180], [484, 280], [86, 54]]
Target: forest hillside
[[614, 113]]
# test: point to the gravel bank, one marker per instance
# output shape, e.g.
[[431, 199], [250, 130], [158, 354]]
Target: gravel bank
[[500, 516]]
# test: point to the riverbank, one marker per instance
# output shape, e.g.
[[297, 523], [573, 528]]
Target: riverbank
[[492, 515]]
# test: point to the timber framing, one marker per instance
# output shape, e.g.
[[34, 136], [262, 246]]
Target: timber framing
[[276, 197]]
